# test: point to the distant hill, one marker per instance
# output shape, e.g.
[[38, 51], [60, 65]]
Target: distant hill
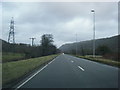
[[111, 42]]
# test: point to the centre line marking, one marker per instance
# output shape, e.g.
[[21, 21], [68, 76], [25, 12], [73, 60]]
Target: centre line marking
[[81, 68]]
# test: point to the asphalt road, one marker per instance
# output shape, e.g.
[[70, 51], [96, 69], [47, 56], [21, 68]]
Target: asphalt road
[[66, 71]]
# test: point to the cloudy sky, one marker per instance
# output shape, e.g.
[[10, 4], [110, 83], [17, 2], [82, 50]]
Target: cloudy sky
[[61, 19]]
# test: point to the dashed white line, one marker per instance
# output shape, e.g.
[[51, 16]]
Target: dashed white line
[[72, 61], [81, 68]]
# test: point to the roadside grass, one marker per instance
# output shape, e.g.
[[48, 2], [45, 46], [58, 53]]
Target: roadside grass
[[7, 57], [0, 75], [17, 69], [101, 60]]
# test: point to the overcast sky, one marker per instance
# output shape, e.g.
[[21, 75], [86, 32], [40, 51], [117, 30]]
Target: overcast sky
[[62, 20]]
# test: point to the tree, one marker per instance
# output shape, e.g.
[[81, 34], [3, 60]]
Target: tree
[[102, 50], [47, 44], [47, 40], [46, 47]]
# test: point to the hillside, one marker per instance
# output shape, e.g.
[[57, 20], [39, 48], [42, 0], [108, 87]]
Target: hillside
[[111, 42], [26, 50]]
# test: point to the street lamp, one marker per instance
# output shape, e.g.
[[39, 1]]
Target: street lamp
[[76, 44], [93, 11], [32, 40]]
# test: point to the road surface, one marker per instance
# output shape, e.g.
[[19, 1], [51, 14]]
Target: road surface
[[66, 71]]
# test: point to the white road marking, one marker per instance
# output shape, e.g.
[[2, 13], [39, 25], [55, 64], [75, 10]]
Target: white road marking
[[81, 68], [34, 75], [72, 61], [51, 61]]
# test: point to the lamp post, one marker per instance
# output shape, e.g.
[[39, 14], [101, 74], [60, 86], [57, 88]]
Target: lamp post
[[93, 11], [32, 40], [76, 44]]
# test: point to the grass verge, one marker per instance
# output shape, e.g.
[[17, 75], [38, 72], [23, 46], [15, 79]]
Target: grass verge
[[7, 57], [101, 60], [14, 70], [0, 75]]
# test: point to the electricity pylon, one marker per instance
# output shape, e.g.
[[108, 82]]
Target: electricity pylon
[[11, 37]]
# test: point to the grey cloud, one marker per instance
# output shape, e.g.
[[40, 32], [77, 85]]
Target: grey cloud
[[63, 20]]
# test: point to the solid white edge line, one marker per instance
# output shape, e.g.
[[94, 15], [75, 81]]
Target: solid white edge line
[[31, 77], [51, 61], [34, 75], [81, 68]]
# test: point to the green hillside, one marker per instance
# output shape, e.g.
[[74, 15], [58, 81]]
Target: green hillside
[[87, 46]]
